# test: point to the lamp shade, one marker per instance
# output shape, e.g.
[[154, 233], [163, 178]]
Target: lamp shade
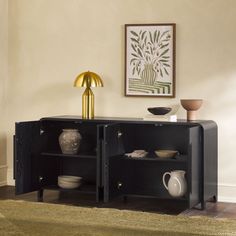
[[88, 79]]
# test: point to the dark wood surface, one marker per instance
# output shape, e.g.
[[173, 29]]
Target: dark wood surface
[[215, 210]]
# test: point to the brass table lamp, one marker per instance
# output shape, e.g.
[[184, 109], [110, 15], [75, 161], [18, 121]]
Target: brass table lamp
[[88, 79]]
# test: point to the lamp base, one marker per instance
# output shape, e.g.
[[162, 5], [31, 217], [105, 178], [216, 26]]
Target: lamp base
[[88, 104]]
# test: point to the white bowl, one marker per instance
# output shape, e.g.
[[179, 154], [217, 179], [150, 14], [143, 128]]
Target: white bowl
[[69, 181], [68, 185], [70, 178]]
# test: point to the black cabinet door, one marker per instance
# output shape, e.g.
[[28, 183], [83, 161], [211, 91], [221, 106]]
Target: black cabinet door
[[26, 156], [194, 174], [112, 153], [99, 168]]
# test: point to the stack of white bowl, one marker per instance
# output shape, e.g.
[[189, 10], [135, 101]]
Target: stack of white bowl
[[69, 181]]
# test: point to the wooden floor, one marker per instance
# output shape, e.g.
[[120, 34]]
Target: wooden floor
[[215, 210]]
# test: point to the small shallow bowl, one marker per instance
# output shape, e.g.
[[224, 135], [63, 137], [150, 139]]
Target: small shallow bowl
[[166, 153], [159, 110]]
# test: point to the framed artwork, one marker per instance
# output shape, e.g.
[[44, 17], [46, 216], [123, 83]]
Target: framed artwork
[[150, 60]]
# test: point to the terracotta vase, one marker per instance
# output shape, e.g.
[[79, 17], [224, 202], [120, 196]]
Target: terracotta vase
[[69, 141], [191, 106]]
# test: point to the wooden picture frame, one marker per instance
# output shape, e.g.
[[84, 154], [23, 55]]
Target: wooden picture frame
[[150, 60]]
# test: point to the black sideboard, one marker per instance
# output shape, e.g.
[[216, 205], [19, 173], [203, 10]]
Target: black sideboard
[[106, 171]]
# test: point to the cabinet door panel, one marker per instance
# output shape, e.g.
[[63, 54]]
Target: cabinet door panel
[[100, 166], [113, 147], [26, 156], [194, 166], [210, 163]]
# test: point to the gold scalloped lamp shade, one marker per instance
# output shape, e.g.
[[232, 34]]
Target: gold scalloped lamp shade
[[88, 79]]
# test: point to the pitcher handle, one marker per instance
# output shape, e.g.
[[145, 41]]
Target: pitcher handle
[[163, 179]]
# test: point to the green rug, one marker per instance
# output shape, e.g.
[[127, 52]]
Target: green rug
[[29, 218]]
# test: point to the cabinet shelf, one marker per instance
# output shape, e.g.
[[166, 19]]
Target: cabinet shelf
[[155, 196], [85, 188], [153, 157], [82, 155]]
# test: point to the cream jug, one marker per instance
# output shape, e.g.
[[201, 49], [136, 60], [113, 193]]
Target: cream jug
[[177, 185]]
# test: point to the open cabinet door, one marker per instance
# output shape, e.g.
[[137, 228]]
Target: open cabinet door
[[26, 156], [194, 171], [113, 150]]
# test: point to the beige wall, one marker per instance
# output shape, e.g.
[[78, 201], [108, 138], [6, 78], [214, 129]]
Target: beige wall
[[51, 41], [3, 81]]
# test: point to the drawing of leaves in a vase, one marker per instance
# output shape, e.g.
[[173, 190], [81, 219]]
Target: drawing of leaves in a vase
[[150, 55]]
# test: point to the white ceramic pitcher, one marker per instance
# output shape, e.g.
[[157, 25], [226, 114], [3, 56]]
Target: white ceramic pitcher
[[177, 185]]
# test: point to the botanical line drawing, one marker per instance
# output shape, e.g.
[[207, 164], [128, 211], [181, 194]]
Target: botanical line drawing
[[151, 53], [150, 61]]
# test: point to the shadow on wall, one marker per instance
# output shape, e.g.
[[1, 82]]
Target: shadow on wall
[[58, 97], [48, 99], [3, 159]]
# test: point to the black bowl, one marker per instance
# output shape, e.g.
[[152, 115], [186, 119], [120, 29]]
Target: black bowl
[[159, 110]]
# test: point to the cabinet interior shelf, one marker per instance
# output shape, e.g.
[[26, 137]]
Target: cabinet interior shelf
[[82, 155], [155, 196], [85, 188], [150, 157]]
